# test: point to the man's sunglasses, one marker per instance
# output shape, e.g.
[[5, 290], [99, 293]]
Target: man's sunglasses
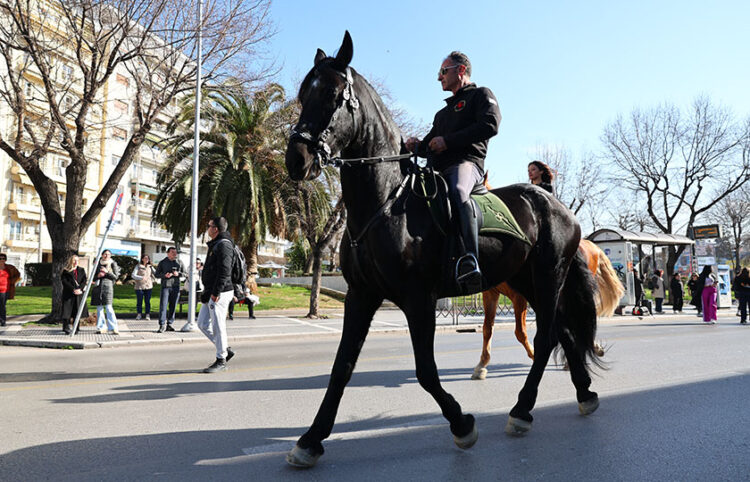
[[444, 70]]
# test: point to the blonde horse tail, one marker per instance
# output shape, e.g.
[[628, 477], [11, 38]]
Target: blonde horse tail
[[610, 289]]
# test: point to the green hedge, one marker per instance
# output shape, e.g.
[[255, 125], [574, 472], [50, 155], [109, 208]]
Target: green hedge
[[40, 273]]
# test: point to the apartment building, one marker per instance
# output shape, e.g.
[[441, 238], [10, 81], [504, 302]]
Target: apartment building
[[23, 232]]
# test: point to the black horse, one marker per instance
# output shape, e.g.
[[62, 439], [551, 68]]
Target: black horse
[[393, 250]]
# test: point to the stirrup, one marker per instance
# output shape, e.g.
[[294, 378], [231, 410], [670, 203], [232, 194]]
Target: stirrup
[[471, 276]]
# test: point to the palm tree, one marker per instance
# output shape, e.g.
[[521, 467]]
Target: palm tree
[[316, 212], [241, 166]]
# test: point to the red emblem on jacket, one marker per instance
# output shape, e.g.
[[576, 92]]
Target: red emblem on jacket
[[461, 104]]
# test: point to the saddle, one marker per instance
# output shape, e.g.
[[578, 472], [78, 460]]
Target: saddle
[[493, 215], [493, 218]]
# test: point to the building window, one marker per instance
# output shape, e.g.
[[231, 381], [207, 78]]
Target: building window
[[122, 80], [121, 106], [62, 163], [19, 195], [29, 89], [115, 159], [119, 133], [67, 72], [16, 228]]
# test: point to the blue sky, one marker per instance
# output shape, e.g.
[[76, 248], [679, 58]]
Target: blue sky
[[561, 70]]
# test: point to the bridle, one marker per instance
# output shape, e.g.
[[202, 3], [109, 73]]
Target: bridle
[[318, 146]]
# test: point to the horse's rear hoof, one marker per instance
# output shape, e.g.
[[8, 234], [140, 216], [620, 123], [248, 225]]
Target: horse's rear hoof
[[301, 458], [467, 441], [589, 406], [516, 426], [480, 373]]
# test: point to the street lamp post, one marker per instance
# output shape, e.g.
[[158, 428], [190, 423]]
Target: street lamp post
[[192, 302]]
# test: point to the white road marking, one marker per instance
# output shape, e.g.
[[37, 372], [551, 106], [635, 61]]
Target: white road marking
[[307, 323]]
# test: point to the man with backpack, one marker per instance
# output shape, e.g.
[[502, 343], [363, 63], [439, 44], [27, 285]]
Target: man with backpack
[[218, 291]]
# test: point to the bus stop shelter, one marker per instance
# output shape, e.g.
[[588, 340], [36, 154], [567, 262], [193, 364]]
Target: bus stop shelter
[[618, 245]]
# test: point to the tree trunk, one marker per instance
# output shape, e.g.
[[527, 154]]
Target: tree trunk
[[309, 263], [64, 244], [317, 273]]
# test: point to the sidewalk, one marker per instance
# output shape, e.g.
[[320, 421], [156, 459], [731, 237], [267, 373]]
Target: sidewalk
[[268, 325]]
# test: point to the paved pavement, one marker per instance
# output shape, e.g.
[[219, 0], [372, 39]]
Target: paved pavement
[[22, 331]]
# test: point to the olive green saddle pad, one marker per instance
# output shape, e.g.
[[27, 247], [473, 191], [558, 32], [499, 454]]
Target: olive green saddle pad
[[497, 218]]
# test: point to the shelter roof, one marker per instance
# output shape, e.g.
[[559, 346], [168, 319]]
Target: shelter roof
[[659, 239]]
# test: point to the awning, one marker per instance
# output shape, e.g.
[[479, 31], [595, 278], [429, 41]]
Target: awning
[[660, 239], [271, 265]]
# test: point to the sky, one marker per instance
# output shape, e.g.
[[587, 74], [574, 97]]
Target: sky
[[561, 70]]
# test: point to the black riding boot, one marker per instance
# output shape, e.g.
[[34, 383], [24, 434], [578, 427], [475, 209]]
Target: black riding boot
[[467, 266]]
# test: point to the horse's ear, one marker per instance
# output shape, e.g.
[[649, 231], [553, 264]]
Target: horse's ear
[[319, 55], [346, 51]]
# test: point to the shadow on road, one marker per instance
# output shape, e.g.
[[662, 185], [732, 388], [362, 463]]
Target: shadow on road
[[394, 378], [695, 431]]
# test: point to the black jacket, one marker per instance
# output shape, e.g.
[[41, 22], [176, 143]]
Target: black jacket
[[676, 287], [467, 122], [168, 266], [217, 271], [73, 280]]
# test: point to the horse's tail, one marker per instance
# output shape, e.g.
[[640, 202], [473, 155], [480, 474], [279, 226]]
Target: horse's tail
[[610, 290], [578, 307]]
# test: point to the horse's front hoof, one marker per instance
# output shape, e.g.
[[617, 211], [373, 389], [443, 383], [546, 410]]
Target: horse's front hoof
[[302, 458], [517, 426], [467, 441], [480, 373], [589, 406]]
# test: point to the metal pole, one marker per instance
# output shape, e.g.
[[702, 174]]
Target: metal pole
[[192, 302], [96, 263]]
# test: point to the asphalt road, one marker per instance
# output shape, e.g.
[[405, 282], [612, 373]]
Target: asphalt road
[[675, 405]]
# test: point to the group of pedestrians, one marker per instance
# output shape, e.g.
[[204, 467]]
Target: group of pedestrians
[[215, 287]]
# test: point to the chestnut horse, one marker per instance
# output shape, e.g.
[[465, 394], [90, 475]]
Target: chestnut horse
[[608, 294]]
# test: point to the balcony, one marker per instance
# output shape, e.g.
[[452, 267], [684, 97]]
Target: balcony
[[18, 240], [143, 205]]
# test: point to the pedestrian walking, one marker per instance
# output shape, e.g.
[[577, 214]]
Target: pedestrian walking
[[73, 280], [742, 292], [9, 276], [678, 293], [103, 293], [218, 292], [143, 275], [709, 300], [658, 291], [170, 269]]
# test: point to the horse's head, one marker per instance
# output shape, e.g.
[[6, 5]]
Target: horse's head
[[328, 104]]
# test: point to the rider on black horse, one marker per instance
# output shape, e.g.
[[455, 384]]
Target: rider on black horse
[[457, 145]]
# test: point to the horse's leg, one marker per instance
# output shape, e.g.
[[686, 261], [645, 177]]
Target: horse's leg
[[588, 401], [420, 314], [549, 293], [489, 301], [519, 421], [358, 312], [520, 308]]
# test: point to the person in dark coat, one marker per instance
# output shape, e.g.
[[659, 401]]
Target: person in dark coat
[[540, 174], [742, 292], [637, 287], [700, 283], [73, 279], [678, 292], [103, 293]]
